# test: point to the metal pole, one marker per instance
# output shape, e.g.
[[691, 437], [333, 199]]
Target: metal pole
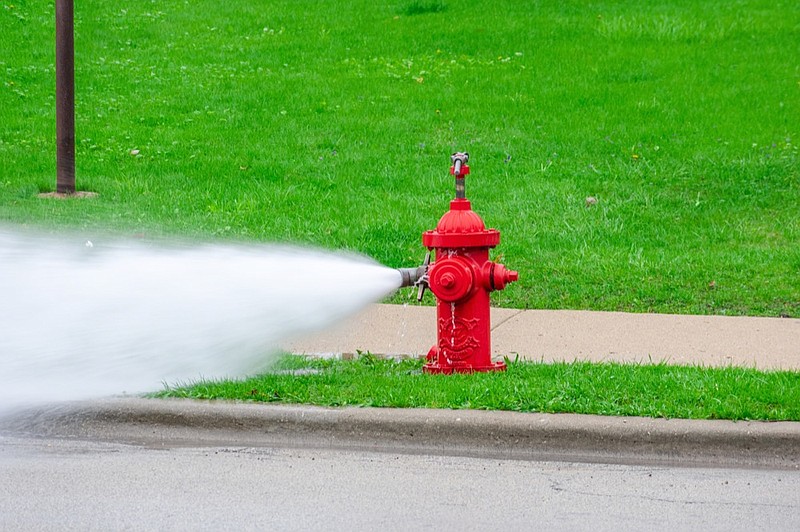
[[65, 97]]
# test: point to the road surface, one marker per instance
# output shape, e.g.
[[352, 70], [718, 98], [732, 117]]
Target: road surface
[[61, 484]]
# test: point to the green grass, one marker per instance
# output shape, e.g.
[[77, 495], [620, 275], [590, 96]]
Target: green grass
[[584, 388], [331, 123]]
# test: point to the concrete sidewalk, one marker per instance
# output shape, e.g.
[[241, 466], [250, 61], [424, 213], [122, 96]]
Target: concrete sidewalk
[[564, 335]]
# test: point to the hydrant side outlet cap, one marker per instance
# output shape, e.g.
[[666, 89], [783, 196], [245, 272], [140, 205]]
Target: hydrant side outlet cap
[[451, 279]]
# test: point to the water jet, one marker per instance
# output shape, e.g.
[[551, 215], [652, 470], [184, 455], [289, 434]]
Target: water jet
[[83, 319]]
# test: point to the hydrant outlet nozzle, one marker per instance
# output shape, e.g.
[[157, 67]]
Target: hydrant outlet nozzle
[[411, 276], [497, 276], [416, 276]]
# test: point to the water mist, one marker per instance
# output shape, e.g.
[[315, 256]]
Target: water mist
[[82, 319]]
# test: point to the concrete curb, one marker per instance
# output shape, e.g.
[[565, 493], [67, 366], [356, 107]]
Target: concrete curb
[[486, 434]]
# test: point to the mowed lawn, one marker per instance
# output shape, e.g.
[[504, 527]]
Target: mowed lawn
[[331, 123], [650, 390]]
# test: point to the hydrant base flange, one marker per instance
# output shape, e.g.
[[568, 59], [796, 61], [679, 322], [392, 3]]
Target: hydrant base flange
[[435, 369], [436, 366]]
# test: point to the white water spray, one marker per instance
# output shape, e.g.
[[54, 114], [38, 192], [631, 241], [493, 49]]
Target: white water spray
[[80, 320]]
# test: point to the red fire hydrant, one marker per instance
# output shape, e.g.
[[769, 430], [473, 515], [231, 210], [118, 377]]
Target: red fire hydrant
[[461, 277]]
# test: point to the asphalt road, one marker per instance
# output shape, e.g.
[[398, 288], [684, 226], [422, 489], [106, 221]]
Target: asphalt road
[[62, 484]]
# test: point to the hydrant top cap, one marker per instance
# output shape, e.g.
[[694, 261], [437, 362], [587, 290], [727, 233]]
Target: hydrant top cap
[[460, 219], [460, 227]]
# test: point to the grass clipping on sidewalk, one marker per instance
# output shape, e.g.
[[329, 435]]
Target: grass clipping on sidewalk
[[650, 390]]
